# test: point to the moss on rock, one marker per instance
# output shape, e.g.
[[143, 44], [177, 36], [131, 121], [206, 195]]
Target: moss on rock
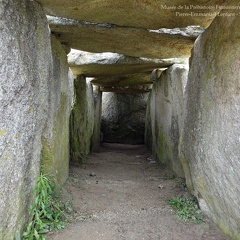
[[210, 144], [55, 151], [81, 121], [165, 117]]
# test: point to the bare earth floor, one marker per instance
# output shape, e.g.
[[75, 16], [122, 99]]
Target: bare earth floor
[[120, 194]]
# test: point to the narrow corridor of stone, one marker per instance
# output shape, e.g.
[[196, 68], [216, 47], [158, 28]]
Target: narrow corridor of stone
[[121, 194]]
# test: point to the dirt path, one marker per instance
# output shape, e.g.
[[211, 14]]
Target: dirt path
[[116, 196]]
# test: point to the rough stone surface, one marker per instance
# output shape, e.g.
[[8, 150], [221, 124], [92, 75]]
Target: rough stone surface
[[135, 42], [131, 83], [190, 31], [210, 142], [124, 80], [96, 137], [81, 120], [148, 14], [25, 60], [113, 64], [164, 118], [117, 70], [55, 138], [123, 117], [36, 96]]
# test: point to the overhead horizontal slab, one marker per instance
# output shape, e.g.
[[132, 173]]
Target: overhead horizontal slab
[[112, 64], [125, 90], [148, 14], [125, 80], [129, 41]]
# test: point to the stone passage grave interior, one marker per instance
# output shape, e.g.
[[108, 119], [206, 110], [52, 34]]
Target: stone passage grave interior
[[75, 73]]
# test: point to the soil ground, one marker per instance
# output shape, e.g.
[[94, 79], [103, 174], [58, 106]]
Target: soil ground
[[121, 194]]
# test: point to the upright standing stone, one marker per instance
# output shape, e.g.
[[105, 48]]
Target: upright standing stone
[[25, 60], [210, 145], [96, 138], [81, 120], [36, 94], [164, 119], [55, 138]]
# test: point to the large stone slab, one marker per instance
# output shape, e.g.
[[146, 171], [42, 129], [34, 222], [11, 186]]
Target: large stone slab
[[82, 120], [124, 80], [135, 42], [150, 14], [210, 145], [36, 94], [55, 138], [113, 64], [164, 118], [96, 137], [116, 72], [25, 60]]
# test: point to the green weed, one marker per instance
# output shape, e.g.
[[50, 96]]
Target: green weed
[[48, 213], [181, 183], [187, 208]]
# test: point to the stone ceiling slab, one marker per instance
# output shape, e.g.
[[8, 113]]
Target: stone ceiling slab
[[148, 14], [131, 83], [129, 90], [128, 41], [113, 64], [125, 80]]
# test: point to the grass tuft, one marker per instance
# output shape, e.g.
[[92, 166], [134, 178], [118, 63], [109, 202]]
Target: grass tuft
[[186, 208], [180, 183], [48, 212]]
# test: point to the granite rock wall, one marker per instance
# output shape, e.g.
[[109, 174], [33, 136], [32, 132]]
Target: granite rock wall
[[210, 143], [25, 71], [164, 118], [35, 102], [82, 120], [55, 138]]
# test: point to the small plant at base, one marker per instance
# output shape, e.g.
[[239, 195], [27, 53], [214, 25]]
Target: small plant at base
[[47, 211], [187, 208], [181, 183]]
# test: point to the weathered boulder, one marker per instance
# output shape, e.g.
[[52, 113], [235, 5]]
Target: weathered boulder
[[210, 142], [150, 14], [81, 120], [137, 42], [164, 118], [55, 138], [25, 60], [123, 117]]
